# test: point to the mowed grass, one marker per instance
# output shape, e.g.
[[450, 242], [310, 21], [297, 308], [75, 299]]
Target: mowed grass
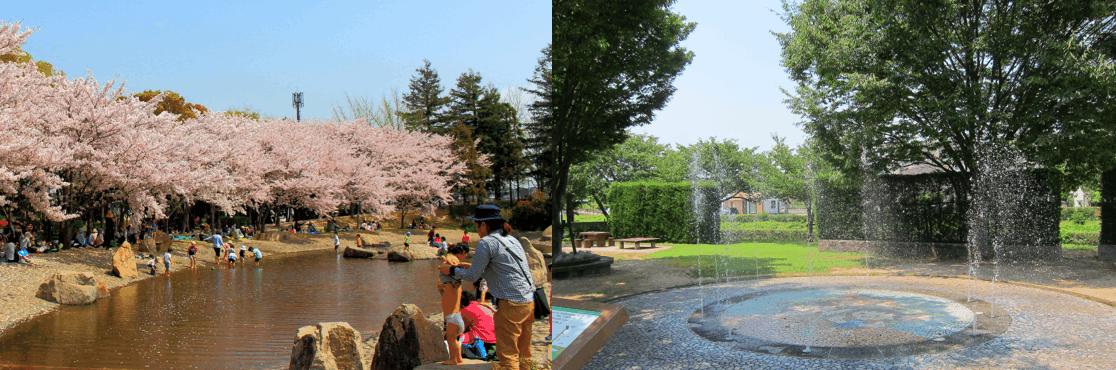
[[750, 259], [1073, 227]]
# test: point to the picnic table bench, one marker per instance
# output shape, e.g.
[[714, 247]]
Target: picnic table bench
[[589, 237], [637, 241]]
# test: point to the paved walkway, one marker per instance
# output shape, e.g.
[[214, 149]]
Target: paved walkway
[[1048, 330]]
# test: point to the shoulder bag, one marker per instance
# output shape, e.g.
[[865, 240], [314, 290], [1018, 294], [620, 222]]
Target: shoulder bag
[[542, 304]]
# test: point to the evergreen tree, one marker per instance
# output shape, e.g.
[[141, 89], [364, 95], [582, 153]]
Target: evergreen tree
[[423, 104], [491, 123]]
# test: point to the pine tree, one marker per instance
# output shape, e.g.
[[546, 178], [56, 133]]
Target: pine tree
[[423, 104]]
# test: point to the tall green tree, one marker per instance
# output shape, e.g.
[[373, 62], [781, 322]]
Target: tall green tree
[[615, 64], [492, 123], [424, 105], [639, 158], [789, 174], [904, 81]]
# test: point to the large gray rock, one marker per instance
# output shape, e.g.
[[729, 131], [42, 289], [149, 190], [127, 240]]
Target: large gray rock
[[327, 346], [73, 288], [408, 340], [395, 256], [537, 263], [124, 262], [354, 252]]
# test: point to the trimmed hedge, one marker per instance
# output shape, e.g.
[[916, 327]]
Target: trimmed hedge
[[764, 236], [779, 217], [1081, 214], [665, 211]]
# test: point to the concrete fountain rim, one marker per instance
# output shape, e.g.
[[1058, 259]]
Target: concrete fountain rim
[[994, 325], [1087, 297]]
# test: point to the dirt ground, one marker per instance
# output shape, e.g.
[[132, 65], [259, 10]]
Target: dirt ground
[[1078, 272]]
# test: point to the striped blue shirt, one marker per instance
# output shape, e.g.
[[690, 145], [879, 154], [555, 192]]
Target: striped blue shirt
[[504, 273]]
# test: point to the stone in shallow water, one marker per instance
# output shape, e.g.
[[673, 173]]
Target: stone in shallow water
[[328, 345], [73, 288]]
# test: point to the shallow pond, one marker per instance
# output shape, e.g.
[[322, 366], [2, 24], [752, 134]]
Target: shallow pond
[[241, 318]]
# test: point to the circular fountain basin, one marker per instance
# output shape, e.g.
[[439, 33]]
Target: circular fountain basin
[[848, 322]]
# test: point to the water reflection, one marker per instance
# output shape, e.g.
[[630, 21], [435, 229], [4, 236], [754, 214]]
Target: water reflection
[[245, 317]]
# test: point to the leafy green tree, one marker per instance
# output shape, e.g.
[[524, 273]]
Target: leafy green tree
[[639, 158], [424, 104], [895, 82], [616, 62], [173, 103], [17, 55], [789, 174]]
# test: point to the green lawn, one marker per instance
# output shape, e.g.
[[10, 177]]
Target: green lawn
[[1073, 227], [745, 259]]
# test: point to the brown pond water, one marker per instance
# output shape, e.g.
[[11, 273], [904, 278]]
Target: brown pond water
[[243, 318]]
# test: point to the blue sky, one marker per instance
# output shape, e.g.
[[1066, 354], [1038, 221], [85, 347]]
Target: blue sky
[[224, 54], [731, 90]]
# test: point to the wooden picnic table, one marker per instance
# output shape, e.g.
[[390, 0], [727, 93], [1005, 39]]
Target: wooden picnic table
[[601, 237], [637, 241]]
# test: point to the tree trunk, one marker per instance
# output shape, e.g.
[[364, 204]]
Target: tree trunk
[[570, 220], [809, 222], [1106, 251]]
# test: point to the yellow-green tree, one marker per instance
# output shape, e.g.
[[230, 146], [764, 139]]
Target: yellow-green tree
[[173, 103]]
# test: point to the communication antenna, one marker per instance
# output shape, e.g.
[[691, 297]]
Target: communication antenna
[[296, 101]]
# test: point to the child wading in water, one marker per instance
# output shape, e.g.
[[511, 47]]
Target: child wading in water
[[451, 301]]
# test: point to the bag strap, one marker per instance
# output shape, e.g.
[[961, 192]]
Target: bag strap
[[505, 244]]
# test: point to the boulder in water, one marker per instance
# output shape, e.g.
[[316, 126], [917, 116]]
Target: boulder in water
[[73, 288], [124, 262], [328, 345], [395, 256], [409, 340], [354, 252]]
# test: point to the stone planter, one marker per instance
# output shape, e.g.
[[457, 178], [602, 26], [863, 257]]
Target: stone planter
[[598, 265]]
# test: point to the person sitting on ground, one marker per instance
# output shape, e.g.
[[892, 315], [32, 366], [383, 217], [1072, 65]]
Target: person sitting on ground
[[437, 242], [413, 225], [93, 239], [80, 241], [312, 229], [192, 255], [450, 288], [25, 241], [167, 262], [259, 255], [24, 256], [479, 340], [378, 226], [151, 264]]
